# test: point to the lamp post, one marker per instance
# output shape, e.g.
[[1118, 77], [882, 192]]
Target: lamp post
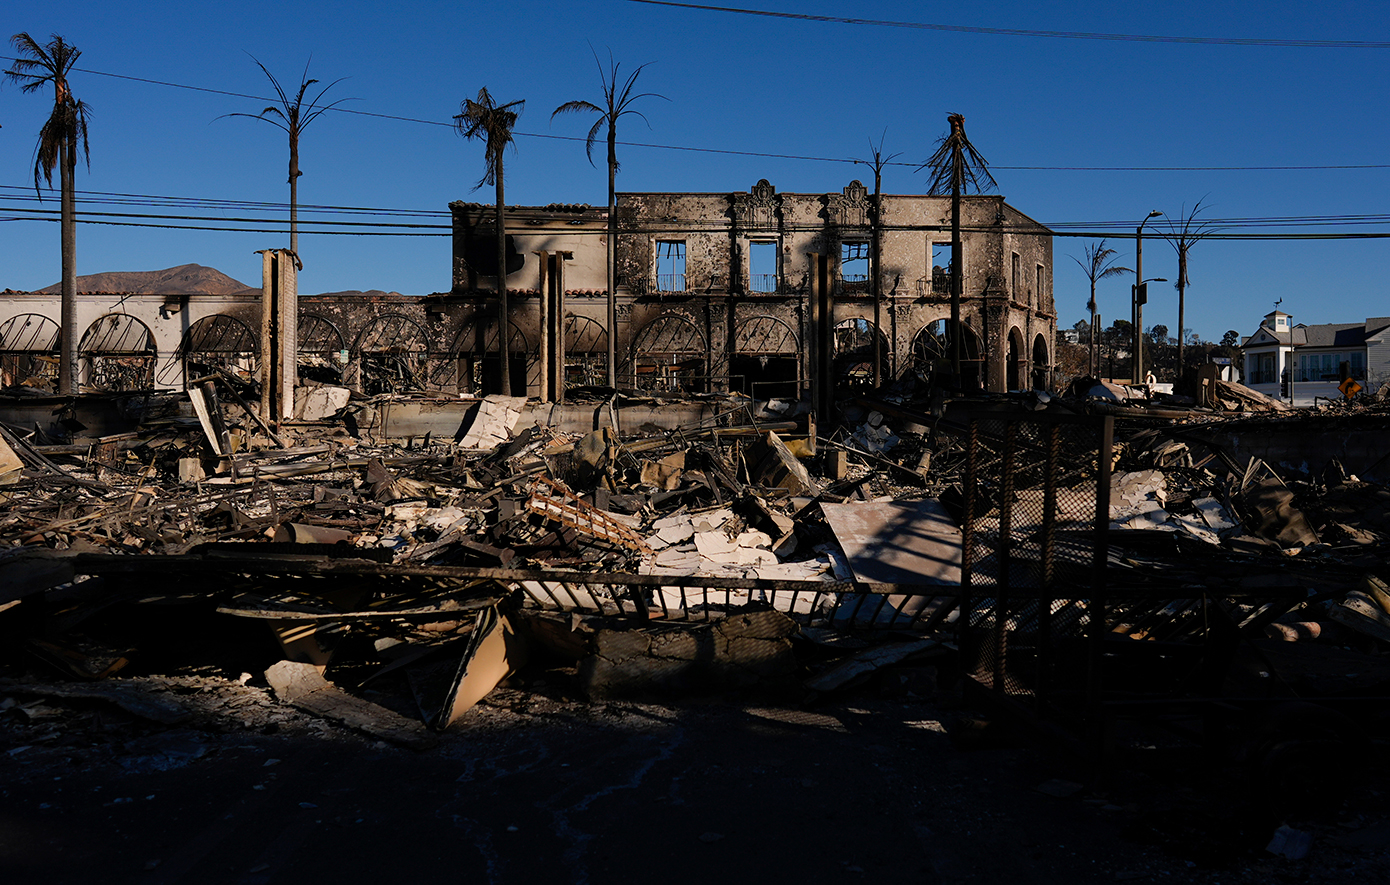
[[1140, 296]]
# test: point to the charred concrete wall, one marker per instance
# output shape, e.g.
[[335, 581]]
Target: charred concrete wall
[[712, 294]]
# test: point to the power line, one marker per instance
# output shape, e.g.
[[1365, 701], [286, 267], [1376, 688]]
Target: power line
[[758, 154], [1025, 32], [1117, 227]]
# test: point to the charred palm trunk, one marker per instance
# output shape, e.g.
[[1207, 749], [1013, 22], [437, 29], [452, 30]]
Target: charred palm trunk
[[612, 257], [504, 350], [294, 194], [957, 283], [1182, 285], [67, 356], [1092, 363], [877, 285]]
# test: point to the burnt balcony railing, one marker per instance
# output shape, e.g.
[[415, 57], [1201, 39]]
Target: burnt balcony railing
[[854, 283], [762, 283], [938, 285], [670, 282]]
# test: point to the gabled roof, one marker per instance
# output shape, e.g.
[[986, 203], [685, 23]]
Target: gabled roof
[[1376, 325], [1266, 335], [1335, 335]]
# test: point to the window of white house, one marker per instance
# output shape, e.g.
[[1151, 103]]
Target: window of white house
[[854, 262], [762, 266], [670, 266]]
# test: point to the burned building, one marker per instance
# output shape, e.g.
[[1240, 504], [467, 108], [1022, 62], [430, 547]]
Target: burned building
[[764, 293], [718, 291]]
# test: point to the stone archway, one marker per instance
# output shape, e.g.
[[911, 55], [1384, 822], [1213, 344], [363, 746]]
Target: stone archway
[[117, 353], [766, 360], [854, 352], [322, 349], [474, 366], [931, 352], [391, 354], [586, 352], [1042, 364], [29, 351], [669, 353], [1016, 362], [218, 343]]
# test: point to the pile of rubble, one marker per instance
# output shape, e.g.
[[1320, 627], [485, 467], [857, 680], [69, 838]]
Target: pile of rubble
[[390, 585]]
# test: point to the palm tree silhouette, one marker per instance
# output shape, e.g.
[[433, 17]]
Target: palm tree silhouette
[[1099, 264], [293, 115], [616, 102], [956, 166], [484, 118], [62, 137], [1184, 232]]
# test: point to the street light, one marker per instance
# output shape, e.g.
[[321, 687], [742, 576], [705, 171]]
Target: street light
[[1140, 296]]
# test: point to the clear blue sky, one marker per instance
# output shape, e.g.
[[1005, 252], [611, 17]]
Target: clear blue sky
[[742, 83]]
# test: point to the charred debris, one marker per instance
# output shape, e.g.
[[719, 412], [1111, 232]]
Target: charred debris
[[1086, 563]]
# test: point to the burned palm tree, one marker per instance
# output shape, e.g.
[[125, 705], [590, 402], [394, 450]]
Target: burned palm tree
[[1099, 264], [878, 162], [955, 167], [1184, 231], [293, 115], [486, 119], [62, 137], [617, 101]]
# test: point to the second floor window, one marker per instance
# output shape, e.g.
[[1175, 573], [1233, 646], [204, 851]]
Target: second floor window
[[670, 266], [762, 267], [854, 262], [941, 268]]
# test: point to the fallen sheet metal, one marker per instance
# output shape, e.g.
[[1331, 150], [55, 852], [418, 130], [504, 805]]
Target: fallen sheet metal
[[910, 542], [494, 652]]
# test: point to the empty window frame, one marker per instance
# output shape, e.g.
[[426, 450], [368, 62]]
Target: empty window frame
[[1017, 278], [762, 266], [1038, 280], [670, 266], [940, 268], [854, 262]]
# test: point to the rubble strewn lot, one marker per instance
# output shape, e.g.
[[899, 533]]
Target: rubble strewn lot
[[540, 630]]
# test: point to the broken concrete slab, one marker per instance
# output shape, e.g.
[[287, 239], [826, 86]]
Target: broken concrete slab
[[492, 426], [303, 686], [744, 649], [320, 403]]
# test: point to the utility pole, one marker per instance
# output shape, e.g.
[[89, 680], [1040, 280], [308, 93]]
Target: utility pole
[[1140, 296]]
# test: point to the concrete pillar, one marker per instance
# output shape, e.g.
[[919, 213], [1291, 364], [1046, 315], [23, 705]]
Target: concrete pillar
[[279, 333], [822, 349]]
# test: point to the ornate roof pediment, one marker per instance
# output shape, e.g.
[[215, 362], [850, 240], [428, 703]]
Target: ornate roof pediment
[[850, 207], [757, 210]]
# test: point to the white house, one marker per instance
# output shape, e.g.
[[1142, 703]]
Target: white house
[[1301, 362]]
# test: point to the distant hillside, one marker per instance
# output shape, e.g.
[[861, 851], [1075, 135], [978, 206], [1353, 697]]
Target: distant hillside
[[192, 279], [357, 293], [186, 279]]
